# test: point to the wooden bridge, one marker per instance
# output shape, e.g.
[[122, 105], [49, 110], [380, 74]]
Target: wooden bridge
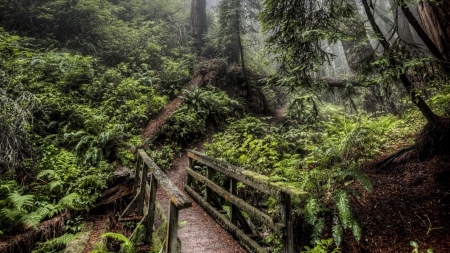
[[146, 205]]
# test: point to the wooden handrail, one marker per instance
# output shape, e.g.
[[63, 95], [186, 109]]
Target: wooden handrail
[[175, 195], [143, 188], [279, 191], [248, 177]]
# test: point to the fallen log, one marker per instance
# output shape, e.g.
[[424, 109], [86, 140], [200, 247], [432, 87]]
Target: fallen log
[[208, 71], [26, 241]]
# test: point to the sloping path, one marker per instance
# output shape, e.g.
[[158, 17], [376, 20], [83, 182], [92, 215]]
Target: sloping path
[[202, 75], [201, 233]]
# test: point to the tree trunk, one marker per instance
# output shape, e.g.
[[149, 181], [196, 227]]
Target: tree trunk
[[431, 117], [241, 49], [403, 29], [437, 24], [354, 51], [198, 23]]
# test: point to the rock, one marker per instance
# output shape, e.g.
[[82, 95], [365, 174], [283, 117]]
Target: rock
[[122, 174]]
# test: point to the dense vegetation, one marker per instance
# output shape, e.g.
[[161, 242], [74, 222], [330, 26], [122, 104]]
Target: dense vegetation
[[79, 81]]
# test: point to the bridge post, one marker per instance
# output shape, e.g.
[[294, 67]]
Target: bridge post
[[233, 208], [286, 216], [172, 230], [208, 193], [150, 217], [141, 201], [191, 166], [136, 174]]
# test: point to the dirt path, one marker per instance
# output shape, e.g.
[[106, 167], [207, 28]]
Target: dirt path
[[210, 70], [279, 117], [201, 233]]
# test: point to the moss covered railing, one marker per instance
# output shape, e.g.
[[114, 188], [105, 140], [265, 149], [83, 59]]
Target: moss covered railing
[[281, 193], [143, 188]]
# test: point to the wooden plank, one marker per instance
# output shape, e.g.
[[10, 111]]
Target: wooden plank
[[137, 174], [209, 175], [160, 212], [230, 227], [141, 198], [150, 217], [252, 211], [253, 179], [175, 195], [172, 229], [233, 208], [286, 216]]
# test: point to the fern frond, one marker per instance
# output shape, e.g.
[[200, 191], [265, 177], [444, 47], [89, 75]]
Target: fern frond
[[34, 218], [8, 187], [56, 185], [356, 230], [69, 201], [360, 176], [343, 208], [337, 233], [19, 201], [318, 229], [126, 244], [12, 215], [48, 174], [57, 243]]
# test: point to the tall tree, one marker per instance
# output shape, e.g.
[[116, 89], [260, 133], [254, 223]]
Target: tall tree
[[356, 46], [198, 23], [434, 16], [236, 19], [297, 30]]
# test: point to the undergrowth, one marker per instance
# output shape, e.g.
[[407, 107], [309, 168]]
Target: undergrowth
[[321, 158]]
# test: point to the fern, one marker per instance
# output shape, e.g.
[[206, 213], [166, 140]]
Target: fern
[[70, 201], [54, 244], [20, 202], [345, 213], [127, 244], [360, 176]]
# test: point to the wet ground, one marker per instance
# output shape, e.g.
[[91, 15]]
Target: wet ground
[[201, 232]]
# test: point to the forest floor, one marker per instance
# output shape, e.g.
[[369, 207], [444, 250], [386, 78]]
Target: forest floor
[[410, 201]]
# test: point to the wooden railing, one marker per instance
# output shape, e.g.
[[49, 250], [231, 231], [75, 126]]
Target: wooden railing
[[142, 188], [259, 182]]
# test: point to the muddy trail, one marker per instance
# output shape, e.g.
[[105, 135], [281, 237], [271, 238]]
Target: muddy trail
[[209, 71], [201, 232]]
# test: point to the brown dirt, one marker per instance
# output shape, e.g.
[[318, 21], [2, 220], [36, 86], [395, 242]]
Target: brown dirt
[[201, 233], [208, 71], [278, 118], [410, 201], [101, 225]]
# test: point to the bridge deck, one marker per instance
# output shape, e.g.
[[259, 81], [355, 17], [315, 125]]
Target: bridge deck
[[201, 233]]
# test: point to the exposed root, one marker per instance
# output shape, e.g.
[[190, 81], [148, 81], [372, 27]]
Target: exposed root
[[434, 138]]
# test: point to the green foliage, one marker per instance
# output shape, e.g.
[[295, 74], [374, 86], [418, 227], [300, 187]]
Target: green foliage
[[189, 121], [321, 159], [416, 247], [322, 246], [54, 245], [126, 244], [74, 225], [163, 155], [22, 211]]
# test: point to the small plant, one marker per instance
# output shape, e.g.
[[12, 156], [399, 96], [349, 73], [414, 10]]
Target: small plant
[[428, 224], [129, 224], [322, 246], [54, 245], [416, 247], [126, 245], [74, 225]]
